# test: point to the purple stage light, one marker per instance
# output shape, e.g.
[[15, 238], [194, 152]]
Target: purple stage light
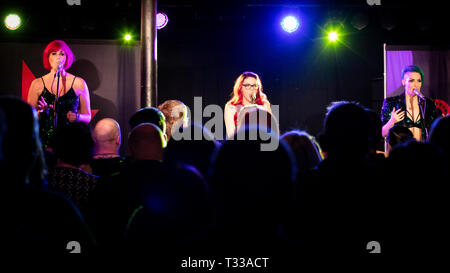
[[161, 20]]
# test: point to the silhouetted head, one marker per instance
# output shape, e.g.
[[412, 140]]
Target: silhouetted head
[[305, 148], [195, 152], [346, 130], [74, 144], [176, 211], [417, 160], [148, 115], [252, 188], [146, 142], [257, 115], [21, 146], [440, 135], [397, 135]]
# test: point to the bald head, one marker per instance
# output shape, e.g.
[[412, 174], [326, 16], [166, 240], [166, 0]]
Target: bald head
[[106, 135], [146, 142]]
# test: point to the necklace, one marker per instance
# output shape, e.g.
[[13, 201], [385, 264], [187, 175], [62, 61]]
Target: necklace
[[106, 155]]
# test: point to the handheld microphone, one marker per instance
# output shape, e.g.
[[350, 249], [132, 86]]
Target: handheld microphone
[[253, 98], [418, 94]]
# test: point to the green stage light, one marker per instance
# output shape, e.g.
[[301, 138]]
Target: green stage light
[[333, 36]]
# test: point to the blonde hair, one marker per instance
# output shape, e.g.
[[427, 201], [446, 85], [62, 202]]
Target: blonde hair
[[172, 116]]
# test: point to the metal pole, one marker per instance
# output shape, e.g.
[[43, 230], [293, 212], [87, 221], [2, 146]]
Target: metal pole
[[148, 54], [385, 87]]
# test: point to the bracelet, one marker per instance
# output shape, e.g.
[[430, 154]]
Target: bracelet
[[78, 116]]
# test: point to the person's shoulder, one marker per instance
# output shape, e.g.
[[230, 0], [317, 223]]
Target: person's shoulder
[[37, 84], [37, 80], [392, 100], [78, 82], [230, 106]]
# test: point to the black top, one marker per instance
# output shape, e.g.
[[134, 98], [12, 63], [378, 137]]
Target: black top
[[104, 167], [67, 102], [74, 183], [427, 106]]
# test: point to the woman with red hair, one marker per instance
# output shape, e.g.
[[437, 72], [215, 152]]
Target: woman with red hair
[[72, 95], [247, 90]]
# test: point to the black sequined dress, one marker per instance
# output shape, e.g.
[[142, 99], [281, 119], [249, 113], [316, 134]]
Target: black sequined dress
[[67, 102]]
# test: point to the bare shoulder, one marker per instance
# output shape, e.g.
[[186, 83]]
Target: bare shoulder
[[37, 86], [37, 83], [79, 84]]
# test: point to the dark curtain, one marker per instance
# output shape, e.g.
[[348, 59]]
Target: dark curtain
[[128, 95]]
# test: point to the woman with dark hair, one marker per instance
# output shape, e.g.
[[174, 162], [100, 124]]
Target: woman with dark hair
[[410, 109], [72, 95], [247, 90]]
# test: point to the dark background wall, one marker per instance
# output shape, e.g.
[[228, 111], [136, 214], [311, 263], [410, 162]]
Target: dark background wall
[[207, 44]]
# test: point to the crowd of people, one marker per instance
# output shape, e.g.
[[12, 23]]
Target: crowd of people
[[321, 197]]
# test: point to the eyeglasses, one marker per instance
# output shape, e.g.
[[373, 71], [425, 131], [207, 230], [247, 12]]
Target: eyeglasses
[[248, 86]]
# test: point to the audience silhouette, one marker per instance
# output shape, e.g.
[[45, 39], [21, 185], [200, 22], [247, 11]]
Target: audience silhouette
[[38, 222], [198, 197]]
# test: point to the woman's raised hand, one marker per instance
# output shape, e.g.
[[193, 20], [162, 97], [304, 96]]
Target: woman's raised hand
[[397, 116]]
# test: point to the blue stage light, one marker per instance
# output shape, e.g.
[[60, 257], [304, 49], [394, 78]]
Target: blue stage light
[[290, 24]]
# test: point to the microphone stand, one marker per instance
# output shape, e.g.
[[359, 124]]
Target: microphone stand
[[58, 74], [422, 108]]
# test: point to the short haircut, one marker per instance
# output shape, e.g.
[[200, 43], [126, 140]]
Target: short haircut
[[412, 68], [74, 144], [148, 115], [346, 128], [55, 46]]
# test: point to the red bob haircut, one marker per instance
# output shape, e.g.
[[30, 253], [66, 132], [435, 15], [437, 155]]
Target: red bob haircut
[[55, 46]]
